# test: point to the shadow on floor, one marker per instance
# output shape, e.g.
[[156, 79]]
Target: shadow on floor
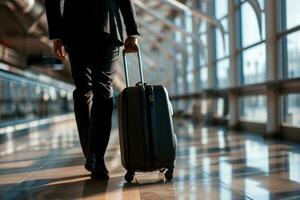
[[81, 186]]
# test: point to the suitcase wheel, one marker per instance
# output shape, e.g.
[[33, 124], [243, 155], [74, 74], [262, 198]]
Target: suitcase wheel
[[129, 176], [169, 174]]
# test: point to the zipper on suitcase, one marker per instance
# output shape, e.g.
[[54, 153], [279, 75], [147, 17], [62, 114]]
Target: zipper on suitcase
[[143, 101], [152, 123]]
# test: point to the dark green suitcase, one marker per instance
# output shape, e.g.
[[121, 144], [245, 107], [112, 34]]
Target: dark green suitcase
[[147, 138]]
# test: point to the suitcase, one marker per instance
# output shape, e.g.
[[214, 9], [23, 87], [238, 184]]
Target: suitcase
[[147, 139]]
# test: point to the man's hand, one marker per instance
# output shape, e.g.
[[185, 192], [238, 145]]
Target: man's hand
[[59, 50], [131, 44]]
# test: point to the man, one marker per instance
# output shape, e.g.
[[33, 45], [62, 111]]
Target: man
[[91, 33]]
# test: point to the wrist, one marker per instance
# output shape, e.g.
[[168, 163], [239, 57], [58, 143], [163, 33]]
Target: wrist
[[133, 36], [56, 40]]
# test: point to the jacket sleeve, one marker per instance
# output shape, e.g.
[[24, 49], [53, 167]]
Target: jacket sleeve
[[54, 18], [129, 16]]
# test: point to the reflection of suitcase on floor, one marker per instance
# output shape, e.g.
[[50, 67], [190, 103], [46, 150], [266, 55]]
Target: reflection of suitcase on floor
[[147, 139]]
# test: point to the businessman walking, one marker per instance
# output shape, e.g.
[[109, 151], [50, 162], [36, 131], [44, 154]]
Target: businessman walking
[[90, 33]]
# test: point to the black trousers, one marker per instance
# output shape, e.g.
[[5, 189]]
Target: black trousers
[[93, 67]]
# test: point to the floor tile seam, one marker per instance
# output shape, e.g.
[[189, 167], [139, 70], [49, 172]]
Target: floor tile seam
[[27, 176], [229, 186]]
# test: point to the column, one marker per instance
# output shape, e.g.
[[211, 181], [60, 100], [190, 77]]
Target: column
[[233, 60], [273, 97]]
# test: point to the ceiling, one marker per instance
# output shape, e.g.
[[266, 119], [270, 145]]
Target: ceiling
[[26, 32]]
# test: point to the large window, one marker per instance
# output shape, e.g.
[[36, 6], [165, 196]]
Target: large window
[[290, 41], [292, 109], [204, 104], [291, 10], [222, 110], [289, 30], [203, 56], [221, 44], [24, 98], [223, 73], [254, 64], [251, 32], [253, 108], [249, 56], [204, 76], [252, 42], [190, 60], [293, 54]]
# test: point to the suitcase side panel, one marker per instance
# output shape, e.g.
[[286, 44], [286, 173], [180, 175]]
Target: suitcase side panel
[[133, 130], [122, 140], [166, 143]]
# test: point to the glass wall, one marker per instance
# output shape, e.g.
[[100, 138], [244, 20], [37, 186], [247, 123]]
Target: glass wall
[[203, 56], [223, 73], [289, 30], [181, 62], [291, 10], [290, 40], [293, 52], [248, 19], [24, 99], [251, 25], [253, 108], [254, 64], [221, 44], [221, 108], [292, 109]]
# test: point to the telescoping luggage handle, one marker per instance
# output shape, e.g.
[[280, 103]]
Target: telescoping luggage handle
[[126, 67]]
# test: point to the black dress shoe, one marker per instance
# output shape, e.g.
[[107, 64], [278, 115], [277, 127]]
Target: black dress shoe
[[90, 163], [87, 166], [99, 172]]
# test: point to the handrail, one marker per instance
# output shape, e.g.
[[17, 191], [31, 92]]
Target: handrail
[[258, 86]]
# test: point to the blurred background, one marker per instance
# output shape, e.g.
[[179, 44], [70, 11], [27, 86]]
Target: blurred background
[[232, 70], [230, 62]]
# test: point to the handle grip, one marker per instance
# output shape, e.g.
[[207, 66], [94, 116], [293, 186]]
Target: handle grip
[[126, 67]]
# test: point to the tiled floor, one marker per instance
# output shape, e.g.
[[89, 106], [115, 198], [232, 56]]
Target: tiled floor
[[211, 164]]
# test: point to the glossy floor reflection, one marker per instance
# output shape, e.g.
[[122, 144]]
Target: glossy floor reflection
[[211, 164]]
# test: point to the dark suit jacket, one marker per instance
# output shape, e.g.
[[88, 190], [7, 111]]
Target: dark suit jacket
[[90, 18]]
